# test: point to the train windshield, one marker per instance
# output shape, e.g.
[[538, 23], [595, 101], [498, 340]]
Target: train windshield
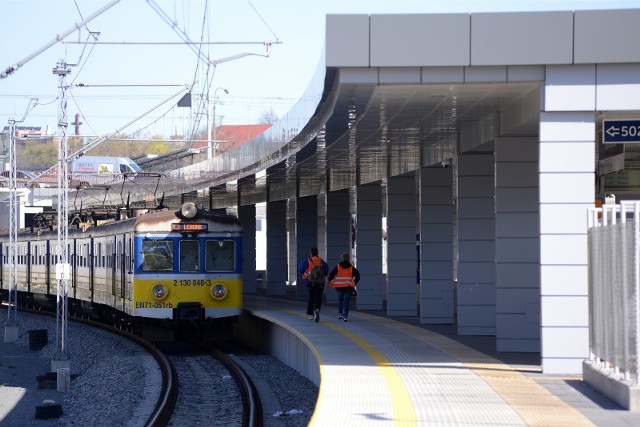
[[189, 255], [220, 255], [157, 255]]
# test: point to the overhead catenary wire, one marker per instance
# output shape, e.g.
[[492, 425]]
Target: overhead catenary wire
[[13, 68], [97, 142]]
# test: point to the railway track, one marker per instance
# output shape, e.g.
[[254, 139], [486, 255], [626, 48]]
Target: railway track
[[213, 387], [183, 392]]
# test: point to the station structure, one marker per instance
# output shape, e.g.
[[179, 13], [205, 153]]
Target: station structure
[[456, 155]]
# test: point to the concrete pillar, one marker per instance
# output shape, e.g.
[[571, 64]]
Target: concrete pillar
[[567, 167], [276, 247], [436, 246], [369, 246], [292, 253], [322, 223], [338, 223], [306, 233], [402, 259], [476, 245], [517, 245], [247, 217]]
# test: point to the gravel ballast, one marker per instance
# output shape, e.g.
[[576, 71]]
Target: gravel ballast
[[115, 382]]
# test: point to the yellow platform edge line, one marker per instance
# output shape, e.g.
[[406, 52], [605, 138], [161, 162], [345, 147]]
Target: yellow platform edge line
[[403, 409], [536, 405]]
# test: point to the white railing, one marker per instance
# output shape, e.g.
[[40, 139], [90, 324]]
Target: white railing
[[614, 288]]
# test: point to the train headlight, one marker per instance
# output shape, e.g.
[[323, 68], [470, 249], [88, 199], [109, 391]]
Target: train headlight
[[159, 291], [219, 291], [189, 210]]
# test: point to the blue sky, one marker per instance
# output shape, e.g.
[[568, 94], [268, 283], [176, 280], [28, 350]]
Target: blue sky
[[115, 72]]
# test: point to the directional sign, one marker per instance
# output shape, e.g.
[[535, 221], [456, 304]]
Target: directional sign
[[620, 131]]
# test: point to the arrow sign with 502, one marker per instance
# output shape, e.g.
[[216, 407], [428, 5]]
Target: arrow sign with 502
[[620, 131]]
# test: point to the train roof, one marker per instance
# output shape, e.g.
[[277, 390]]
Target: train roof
[[161, 221]]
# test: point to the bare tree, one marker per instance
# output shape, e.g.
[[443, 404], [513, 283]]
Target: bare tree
[[268, 117]]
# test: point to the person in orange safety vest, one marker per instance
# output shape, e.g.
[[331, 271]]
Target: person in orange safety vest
[[315, 285], [344, 277]]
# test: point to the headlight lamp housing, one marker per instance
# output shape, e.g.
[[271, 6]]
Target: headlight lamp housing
[[159, 291], [219, 291], [189, 210]]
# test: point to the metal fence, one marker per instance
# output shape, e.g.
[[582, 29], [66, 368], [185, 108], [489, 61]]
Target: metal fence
[[614, 298]]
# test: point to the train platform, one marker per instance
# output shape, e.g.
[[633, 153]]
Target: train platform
[[381, 371]]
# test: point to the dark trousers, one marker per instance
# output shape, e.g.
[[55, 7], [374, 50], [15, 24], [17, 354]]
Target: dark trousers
[[344, 296], [315, 297]]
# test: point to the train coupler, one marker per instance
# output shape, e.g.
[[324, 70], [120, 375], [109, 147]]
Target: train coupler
[[189, 311]]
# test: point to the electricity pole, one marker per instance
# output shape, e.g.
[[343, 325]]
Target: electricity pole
[[61, 363], [11, 328], [211, 140]]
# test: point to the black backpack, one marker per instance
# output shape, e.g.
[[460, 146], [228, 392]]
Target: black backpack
[[316, 275]]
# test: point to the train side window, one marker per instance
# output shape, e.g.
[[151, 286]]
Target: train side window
[[220, 255], [189, 255], [157, 255]]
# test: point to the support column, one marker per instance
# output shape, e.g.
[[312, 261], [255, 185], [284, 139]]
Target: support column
[[276, 247], [402, 259], [322, 222], [247, 217], [476, 245], [369, 246], [292, 252], [436, 246], [567, 189], [306, 234], [517, 245], [338, 232]]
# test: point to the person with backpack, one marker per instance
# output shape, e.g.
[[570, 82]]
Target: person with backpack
[[314, 272], [343, 278]]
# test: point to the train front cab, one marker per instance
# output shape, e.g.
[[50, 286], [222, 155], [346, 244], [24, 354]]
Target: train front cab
[[187, 279]]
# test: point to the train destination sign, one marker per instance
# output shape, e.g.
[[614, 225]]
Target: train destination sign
[[620, 131], [178, 226]]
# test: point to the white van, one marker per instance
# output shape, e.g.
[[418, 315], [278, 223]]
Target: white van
[[96, 170]]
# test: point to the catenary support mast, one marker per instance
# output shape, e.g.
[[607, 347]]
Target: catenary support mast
[[63, 269], [11, 329]]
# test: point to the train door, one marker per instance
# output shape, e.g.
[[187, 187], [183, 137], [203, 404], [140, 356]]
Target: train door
[[121, 265], [90, 256], [74, 268], [112, 257], [2, 261], [28, 265], [47, 266]]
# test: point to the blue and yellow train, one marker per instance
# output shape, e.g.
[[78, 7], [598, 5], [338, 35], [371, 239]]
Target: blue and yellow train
[[156, 273]]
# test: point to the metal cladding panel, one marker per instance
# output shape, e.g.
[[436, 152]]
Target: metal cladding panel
[[252, 190], [517, 250], [607, 36], [222, 197], [425, 40], [399, 75], [517, 149], [522, 38], [347, 41], [618, 87], [434, 75], [519, 275]]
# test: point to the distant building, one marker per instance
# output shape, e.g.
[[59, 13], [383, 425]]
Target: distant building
[[232, 136], [26, 132]]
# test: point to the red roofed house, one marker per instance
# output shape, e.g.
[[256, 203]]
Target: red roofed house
[[233, 136]]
